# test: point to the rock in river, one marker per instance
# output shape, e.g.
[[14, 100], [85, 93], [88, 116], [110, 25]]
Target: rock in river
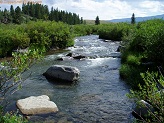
[[61, 72], [79, 57], [142, 110], [36, 105]]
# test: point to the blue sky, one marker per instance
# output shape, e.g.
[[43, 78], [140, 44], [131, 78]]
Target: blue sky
[[106, 9]]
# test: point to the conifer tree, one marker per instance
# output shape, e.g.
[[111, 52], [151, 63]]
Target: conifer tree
[[97, 21], [81, 20], [18, 17], [133, 21], [6, 17], [12, 13]]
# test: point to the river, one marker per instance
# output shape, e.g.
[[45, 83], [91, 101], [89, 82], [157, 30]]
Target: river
[[98, 97]]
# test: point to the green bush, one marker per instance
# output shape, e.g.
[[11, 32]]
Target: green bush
[[145, 44], [133, 60], [113, 31], [11, 118], [148, 38], [11, 39], [42, 35], [79, 30], [46, 35], [131, 75], [152, 92]]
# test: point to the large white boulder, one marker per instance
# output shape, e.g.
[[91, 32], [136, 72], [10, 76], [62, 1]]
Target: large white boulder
[[36, 105], [61, 72]]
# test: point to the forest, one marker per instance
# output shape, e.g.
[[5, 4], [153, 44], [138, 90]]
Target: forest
[[32, 12], [142, 48]]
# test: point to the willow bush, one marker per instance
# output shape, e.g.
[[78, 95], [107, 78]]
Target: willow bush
[[143, 51], [81, 29], [47, 34], [148, 38], [11, 39], [113, 31], [42, 35], [152, 92], [144, 46]]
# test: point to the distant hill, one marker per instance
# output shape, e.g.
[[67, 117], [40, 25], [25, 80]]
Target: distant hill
[[138, 19]]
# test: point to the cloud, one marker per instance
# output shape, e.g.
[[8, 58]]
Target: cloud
[[108, 9], [152, 6]]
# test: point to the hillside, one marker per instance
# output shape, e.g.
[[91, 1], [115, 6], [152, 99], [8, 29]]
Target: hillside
[[138, 19]]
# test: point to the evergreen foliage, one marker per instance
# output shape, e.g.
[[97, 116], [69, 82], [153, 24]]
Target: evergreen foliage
[[36, 11], [133, 20], [97, 21]]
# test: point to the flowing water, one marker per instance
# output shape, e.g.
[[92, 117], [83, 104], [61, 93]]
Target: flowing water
[[98, 97]]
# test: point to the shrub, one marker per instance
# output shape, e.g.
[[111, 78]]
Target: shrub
[[79, 30], [12, 39], [131, 75], [148, 38], [11, 118], [46, 35], [152, 92], [113, 31], [133, 60]]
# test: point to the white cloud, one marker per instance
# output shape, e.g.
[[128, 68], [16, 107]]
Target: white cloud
[[108, 9]]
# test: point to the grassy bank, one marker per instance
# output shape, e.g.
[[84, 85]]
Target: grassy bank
[[142, 63]]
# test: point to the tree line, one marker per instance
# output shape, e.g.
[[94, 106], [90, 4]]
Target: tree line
[[36, 11]]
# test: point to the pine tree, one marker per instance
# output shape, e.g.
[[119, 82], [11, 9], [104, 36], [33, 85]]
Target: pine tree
[[133, 21], [32, 10], [97, 21], [81, 20], [18, 17], [46, 12], [6, 17], [23, 8], [12, 13]]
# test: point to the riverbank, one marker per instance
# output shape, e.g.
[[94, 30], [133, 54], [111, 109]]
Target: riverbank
[[142, 66]]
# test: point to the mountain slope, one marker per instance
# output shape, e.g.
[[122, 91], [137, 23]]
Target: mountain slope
[[138, 19]]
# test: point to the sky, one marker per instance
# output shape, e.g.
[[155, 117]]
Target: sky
[[105, 9]]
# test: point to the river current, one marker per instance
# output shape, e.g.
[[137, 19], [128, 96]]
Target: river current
[[98, 97]]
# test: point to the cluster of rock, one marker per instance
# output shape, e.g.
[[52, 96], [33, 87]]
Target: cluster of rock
[[72, 56], [42, 104]]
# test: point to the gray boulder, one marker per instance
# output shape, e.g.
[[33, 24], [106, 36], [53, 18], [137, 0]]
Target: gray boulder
[[36, 105], [142, 110], [61, 72], [70, 54], [79, 57]]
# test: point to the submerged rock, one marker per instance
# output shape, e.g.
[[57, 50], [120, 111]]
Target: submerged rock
[[61, 72], [36, 105]]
